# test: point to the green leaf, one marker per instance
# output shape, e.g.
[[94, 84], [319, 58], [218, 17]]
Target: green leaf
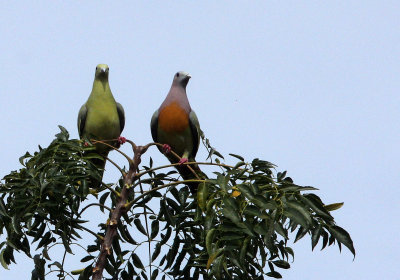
[[131, 270], [218, 267], [231, 236], [167, 214], [154, 274], [263, 203], [231, 214], [243, 250], [251, 210], [325, 238], [281, 230], [39, 232], [173, 204], [57, 264], [3, 210], [246, 190], [66, 243], [164, 238], [46, 254], [15, 224], [214, 256], [300, 233], [209, 240], [333, 206], [87, 258], [173, 252], [274, 274], [125, 275], [77, 271], [2, 261], [136, 261], [45, 240], [315, 236], [102, 200], [139, 226], [239, 164], [230, 203], [202, 194], [222, 181], [298, 213], [156, 252], [289, 251], [237, 156], [343, 237], [282, 264], [123, 230], [154, 229], [317, 206]]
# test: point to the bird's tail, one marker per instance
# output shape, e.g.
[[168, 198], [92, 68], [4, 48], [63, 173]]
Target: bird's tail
[[188, 174]]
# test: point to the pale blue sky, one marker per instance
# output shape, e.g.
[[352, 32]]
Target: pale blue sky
[[311, 86]]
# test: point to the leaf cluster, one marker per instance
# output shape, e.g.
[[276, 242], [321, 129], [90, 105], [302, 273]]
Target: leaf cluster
[[248, 216], [40, 202], [237, 226]]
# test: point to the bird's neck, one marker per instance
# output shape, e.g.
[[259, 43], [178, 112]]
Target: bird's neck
[[101, 85], [178, 97]]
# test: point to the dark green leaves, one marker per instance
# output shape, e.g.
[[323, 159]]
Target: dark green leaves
[[137, 262], [237, 226], [343, 237]]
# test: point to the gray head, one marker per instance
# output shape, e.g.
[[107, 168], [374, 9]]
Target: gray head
[[181, 78]]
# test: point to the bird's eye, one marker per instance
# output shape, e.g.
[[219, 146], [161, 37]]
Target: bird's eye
[[177, 74], [96, 68]]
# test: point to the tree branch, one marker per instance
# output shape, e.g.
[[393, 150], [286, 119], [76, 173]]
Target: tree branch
[[111, 231]]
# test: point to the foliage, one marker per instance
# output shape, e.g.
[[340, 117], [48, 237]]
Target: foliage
[[237, 227]]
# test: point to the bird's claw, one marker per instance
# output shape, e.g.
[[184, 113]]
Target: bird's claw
[[121, 140], [183, 160], [86, 144], [166, 148]]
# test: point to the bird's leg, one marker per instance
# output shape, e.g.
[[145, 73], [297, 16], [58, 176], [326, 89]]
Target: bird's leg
[[183, 160], [166, 148], [121, 140]]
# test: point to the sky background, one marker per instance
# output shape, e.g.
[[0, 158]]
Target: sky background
[[311, 86]]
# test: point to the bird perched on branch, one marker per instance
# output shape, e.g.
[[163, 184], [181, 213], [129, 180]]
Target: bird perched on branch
[[101, 117], [176, 126]]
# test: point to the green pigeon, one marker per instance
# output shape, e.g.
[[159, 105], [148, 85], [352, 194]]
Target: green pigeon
[[101, 117], [176, 126]]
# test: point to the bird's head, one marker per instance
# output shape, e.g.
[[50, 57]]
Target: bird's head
[[102, 71], [182, 78]]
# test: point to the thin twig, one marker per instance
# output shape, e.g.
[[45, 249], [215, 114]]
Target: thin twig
[[129, 204], [116, 165], [94, 204], [94, 141], [186, 163], [117, 194], [92, 232]]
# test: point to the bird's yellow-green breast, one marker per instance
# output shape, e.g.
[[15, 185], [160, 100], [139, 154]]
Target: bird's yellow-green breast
[[102, 120]]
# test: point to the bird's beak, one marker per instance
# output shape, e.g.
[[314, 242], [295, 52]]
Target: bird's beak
[[103, 70], [188, 75]]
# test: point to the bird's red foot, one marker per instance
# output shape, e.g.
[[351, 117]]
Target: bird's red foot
[[183, 160], [121, 140], [166, 148]]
